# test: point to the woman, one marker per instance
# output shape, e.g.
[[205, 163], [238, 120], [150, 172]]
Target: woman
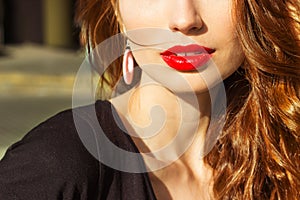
[[252, 45]]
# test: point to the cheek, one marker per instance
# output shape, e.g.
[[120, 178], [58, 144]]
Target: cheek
[[126, 12], [145, 57], [221, 31], [139, 14], [218, 19], [230, 58], [231, 54]]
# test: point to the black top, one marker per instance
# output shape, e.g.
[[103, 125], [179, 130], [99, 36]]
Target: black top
[[51, 162]]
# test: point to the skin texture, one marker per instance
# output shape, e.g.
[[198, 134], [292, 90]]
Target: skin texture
[[207, 23]]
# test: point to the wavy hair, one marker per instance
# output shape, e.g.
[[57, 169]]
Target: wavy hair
[[98, 21], [258, 153]]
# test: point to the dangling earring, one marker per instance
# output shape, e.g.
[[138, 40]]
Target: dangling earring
[[128, 65]]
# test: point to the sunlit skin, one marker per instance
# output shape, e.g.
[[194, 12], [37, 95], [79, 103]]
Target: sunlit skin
[[209, 24]]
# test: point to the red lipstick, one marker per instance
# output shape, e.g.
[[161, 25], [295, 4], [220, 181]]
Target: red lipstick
[[187, 58]]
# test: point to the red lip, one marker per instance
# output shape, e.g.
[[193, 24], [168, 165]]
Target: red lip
[[187, 58]]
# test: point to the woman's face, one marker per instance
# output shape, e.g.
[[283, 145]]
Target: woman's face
[[207, 23]]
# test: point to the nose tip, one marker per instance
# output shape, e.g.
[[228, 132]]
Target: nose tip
[[185, 26], [185, 18]]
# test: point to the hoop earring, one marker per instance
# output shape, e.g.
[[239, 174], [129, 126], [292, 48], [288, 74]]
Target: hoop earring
[[128, 65]]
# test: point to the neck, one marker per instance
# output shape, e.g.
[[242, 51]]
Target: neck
[[171, 125]]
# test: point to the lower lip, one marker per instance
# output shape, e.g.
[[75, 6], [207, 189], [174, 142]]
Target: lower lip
[[186, 63]]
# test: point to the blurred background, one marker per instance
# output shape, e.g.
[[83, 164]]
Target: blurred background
[[39, 58]]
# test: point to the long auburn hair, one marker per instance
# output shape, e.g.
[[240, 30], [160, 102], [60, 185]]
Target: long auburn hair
[[258, 153]]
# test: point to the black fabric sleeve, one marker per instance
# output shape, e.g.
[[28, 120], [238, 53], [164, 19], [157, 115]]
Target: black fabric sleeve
[[50, 162]]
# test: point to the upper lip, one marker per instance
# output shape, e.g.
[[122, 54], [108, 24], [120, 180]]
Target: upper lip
[[188, 50]]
